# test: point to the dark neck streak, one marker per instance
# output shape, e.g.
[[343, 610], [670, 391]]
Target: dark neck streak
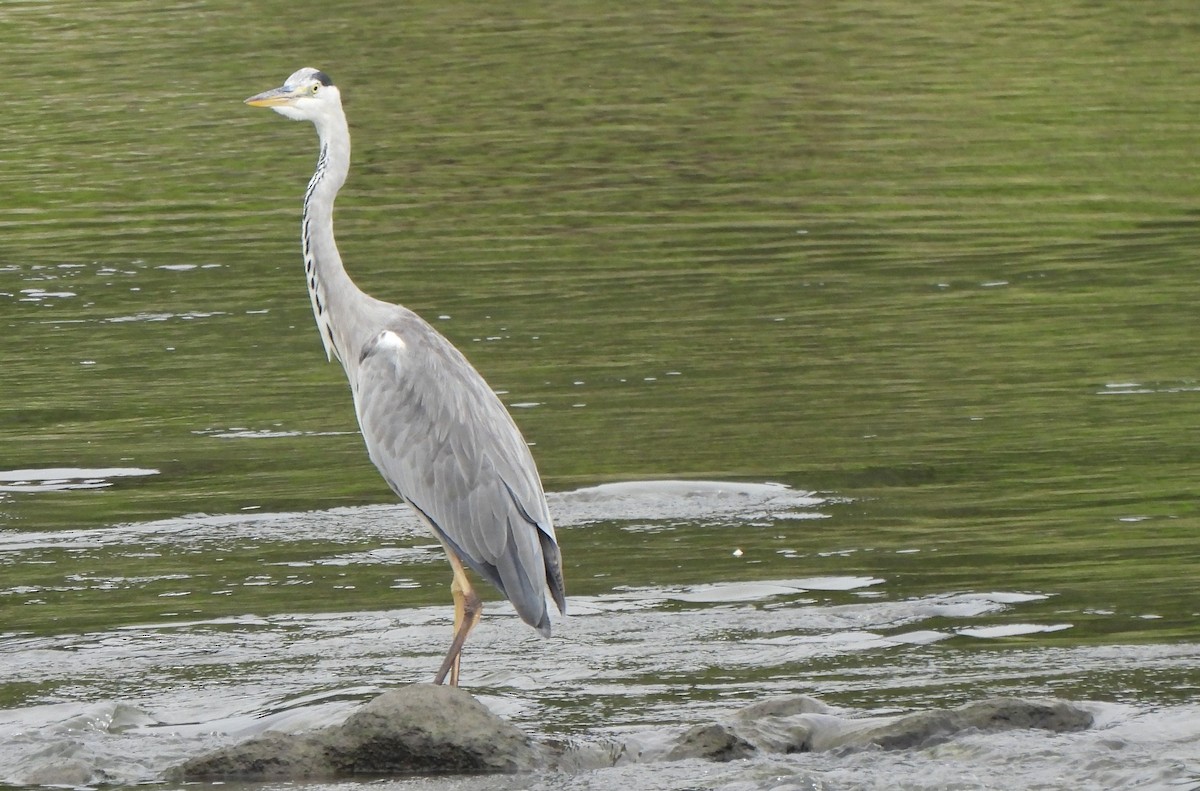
[[316, 229]]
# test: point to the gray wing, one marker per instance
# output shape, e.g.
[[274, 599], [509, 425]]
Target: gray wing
[[445, 444]]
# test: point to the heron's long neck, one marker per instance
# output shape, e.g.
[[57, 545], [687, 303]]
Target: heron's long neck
[[329, 287]]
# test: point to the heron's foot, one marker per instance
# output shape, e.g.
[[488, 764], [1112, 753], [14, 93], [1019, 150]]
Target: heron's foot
[[467, 610]]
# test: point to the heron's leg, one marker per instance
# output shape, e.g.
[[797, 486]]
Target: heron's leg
[[467, 609]]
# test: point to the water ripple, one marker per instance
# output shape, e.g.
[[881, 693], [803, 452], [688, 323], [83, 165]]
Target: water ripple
[[60, 478]]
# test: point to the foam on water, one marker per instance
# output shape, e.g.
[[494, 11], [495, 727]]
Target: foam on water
[[265, 433], [59, 478]]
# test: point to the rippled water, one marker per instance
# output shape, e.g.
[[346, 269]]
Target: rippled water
[[912, 286], [634, 664]]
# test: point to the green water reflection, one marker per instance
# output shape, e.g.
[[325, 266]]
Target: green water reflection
[[938, 260]]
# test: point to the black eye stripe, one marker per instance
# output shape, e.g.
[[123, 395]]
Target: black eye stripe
[[323, 78]]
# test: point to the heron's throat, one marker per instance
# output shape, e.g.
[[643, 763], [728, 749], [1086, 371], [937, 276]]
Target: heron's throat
[[323, 271]]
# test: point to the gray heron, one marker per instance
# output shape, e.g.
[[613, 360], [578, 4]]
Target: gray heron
[[433, 427]]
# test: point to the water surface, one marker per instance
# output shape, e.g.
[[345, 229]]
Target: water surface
[[929, 271]]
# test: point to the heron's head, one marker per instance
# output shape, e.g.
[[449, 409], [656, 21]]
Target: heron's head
[[307, 95]]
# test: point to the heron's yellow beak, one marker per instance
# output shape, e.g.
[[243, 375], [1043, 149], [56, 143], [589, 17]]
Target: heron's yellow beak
[[272, 98]]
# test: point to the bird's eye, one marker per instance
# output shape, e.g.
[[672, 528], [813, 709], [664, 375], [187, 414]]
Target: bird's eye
[[316, 87]]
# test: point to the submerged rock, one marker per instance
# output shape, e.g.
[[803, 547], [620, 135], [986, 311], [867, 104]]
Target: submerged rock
[[923, 729], [71, 773], [714, 742], [775, 725], [418, 729], [800, 724]]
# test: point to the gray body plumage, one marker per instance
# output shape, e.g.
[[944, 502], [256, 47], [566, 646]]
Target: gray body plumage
[[433, 427], [447, 446]]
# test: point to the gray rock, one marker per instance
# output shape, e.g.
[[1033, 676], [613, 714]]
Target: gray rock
[[427, 729], [713, 742], [271, 756], [923, 729], [70, 773], [418, 729], [785, 724], [774, 725]]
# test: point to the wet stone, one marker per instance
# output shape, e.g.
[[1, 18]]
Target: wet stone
[[713, 742], [71, 773], [924, 729], [418, 729], [799, 724]]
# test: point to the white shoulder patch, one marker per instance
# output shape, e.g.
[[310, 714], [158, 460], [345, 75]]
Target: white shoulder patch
[[390, 341], [387, 345], [386, 342]]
